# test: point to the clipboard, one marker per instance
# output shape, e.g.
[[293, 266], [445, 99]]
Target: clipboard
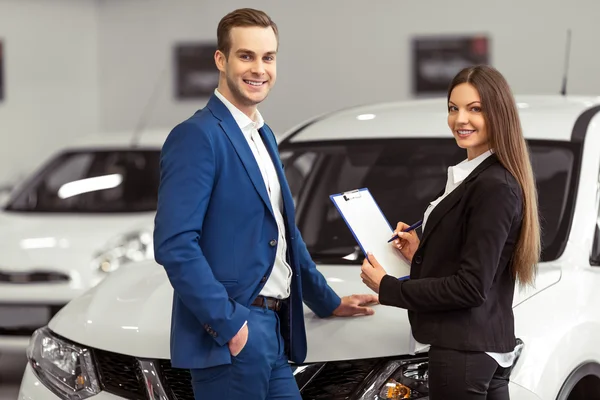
[[371, 229]]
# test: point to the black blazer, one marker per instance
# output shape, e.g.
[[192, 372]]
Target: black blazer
[[460, 290]]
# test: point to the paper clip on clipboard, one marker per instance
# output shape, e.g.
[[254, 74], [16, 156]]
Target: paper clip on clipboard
[[371, 229]]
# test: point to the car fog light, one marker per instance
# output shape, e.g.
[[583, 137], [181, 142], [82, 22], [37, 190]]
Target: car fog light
[[106, 266]]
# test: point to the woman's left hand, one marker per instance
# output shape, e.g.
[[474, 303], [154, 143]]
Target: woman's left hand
[[372, 273]]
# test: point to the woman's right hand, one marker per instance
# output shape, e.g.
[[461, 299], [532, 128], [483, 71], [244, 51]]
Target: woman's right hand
[[408, 242]]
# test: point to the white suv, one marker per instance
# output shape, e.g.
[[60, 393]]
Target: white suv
[[113, 342], [86, 210]]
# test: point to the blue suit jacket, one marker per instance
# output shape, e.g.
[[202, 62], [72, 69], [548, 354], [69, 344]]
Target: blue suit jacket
[[213, 229]]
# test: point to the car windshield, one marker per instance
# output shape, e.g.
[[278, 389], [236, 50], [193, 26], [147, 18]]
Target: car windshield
[[404, 175], [92, 181]]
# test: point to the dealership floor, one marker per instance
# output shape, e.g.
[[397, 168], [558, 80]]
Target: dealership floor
[[11, 372]]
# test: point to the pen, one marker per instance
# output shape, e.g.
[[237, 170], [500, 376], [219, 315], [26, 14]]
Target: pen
[[410, 228]]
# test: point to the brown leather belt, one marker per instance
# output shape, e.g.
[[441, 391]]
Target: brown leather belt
[[270, 302]]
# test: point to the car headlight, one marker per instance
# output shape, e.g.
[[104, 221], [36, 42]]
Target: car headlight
[[63, 367], [370, 379], [365, 379], [399, 379], [405, 379], [130, 247]]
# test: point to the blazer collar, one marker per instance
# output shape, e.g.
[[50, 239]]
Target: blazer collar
[[245, 123], [450, 201], [218, 109]]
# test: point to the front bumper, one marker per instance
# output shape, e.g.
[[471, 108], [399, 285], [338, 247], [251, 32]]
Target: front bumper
[[519, 392], [32, 389], [125, 376], [18, 321], [41, 293], [14, 344], [27, 307]]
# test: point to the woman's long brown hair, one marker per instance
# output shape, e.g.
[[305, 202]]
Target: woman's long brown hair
[[507, 142]]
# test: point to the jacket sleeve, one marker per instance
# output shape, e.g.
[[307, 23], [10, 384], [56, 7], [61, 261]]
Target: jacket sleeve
[[494, 210], [317, 294], [187, 175]]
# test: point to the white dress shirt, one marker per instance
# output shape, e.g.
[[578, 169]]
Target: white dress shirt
[[456, 175], [278, 283]]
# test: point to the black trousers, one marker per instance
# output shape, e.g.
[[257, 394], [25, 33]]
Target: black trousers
[[463, 375]]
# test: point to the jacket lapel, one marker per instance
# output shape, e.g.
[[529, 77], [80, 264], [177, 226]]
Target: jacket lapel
[[240, 144], [286, 194], [450, 201]]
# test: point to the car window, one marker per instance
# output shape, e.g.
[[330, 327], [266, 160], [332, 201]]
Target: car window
[[72, 169], [297, 167], [92, 181], [404, 175]]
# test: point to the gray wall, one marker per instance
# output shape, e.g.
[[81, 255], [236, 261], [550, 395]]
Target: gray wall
[[338, 53], [50, 78], [74, 67]]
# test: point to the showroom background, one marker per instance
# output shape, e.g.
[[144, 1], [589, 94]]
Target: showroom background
[[77, 67]]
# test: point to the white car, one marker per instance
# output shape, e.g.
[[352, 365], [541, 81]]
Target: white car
[[88, 209], [113, 342]]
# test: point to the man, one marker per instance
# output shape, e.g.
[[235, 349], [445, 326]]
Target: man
[[226, 235]]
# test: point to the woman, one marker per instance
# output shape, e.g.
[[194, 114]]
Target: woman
[[479, 238]]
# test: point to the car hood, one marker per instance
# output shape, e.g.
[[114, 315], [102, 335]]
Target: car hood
[[58, 242], [130, 313]]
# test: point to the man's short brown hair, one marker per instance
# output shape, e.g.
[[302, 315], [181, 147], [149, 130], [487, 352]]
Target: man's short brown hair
[[243, 17]]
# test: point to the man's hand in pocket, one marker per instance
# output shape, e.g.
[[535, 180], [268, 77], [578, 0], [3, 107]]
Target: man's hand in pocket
[[237, 343]]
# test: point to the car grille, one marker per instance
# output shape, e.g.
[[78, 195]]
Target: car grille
[[32, 277], [121, 375], [338, 380], [177, 381]]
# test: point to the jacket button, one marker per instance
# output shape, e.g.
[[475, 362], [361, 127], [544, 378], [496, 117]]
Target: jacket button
[[264, 279], [418, 259], [273, 243]]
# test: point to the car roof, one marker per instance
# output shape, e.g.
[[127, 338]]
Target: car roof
[[148, 139], [549, 117]]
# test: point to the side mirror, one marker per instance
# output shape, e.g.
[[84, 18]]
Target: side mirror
[[595, 256]]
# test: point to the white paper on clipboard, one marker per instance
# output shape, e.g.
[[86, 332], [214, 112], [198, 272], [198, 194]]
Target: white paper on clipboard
[[371, 229]]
